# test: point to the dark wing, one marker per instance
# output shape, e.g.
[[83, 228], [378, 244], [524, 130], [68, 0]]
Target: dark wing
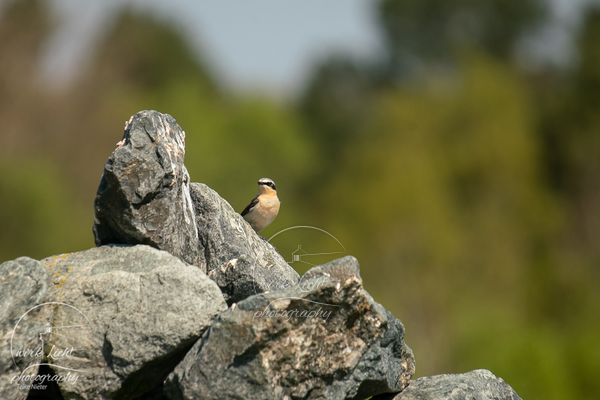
[[250, 206]]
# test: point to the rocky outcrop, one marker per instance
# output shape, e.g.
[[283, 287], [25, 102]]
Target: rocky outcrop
[[144, 316], [145, 197], [480, 384], [24, 288], [134, 311], [325, 338]]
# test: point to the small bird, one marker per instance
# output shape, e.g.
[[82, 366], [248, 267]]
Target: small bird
[[263, 209]]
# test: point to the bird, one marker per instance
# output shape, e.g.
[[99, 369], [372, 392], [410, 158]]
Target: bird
[[263, 209]]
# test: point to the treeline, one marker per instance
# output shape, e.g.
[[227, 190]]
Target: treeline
[[467, 187]]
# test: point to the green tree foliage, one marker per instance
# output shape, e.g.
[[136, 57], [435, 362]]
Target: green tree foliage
[[336, 104], [445, 189], [432, 30], [444, 200], [145, 54], [571, 128], [39, 215], [23, 27], [570, 132], [445, 185]]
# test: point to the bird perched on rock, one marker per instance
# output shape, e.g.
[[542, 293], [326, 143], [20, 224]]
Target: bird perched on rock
[[263, 209]]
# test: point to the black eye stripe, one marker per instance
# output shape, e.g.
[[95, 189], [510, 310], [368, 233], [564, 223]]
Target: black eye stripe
[[269, 184]]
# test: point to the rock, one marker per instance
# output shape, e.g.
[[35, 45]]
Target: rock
[[134, 313], [24, 285], [325, 338], [237, 259], [145, 197], [480, 384]]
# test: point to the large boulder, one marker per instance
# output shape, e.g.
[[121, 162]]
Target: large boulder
[[145, 197], [480, 384], [133, 312], [24, 289], [325, 338]]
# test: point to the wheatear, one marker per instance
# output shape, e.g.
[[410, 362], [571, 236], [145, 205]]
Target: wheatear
[[263, 209]]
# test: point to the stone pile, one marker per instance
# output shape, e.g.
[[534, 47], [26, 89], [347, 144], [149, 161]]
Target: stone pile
[[183, 300]]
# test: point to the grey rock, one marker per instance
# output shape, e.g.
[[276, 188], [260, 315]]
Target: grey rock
[[237, 259], [144, 196], [479, 384], [325, 338], [134, 312], [24, 284]]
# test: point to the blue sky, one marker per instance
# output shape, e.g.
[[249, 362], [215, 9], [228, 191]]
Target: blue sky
[[266, 45]]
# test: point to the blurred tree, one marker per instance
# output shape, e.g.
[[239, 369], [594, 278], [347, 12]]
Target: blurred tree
[[144, 53], [428, 31], [38, 214], [444, 203], [135, 66], [422, 38], [23, 27], [571, 127], [336, 105]]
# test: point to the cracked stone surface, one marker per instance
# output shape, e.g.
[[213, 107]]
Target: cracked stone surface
[[135, 310], [24, 284], [479, 384], [144, 195], [325, 338]]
